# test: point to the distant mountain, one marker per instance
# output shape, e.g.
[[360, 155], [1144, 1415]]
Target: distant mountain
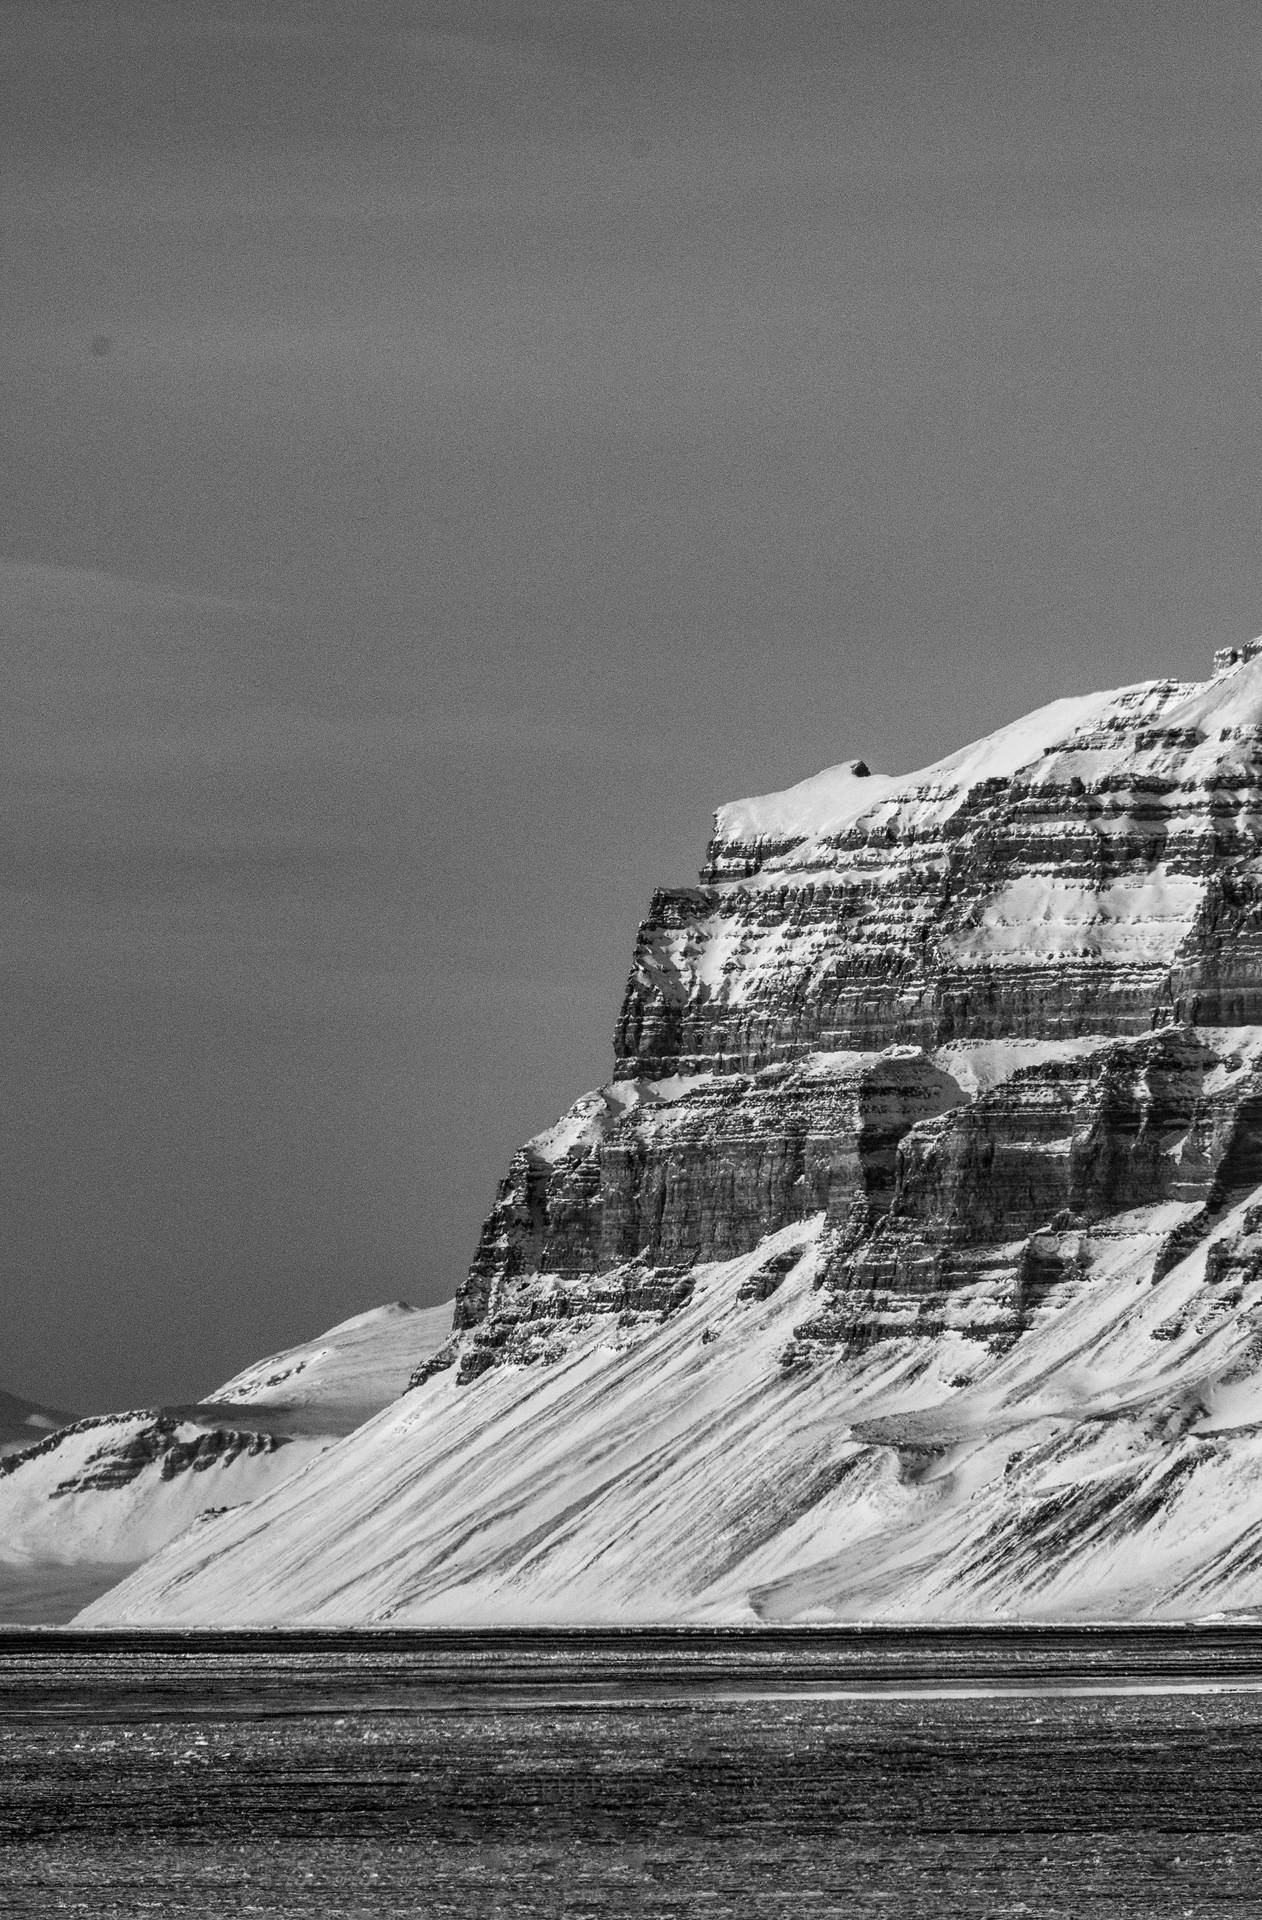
[[910, 1264], [86, 1502], [23, 1422], [344, 1376]]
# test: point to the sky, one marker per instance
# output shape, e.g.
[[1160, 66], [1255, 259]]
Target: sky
[[450, 449]]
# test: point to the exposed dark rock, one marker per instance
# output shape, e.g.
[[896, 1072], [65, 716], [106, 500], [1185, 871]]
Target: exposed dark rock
[[770, 1277], [702, 1176], [117, 1466], [119, 1461]]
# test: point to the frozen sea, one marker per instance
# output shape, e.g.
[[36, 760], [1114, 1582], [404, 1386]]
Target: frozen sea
[[1085, 1774]]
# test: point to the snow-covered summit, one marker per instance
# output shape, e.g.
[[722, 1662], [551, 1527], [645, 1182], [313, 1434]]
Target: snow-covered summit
[[844, 797], [1109, 731], [825, 803]]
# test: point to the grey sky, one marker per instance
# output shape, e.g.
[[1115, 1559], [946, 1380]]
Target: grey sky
[[452, 448]]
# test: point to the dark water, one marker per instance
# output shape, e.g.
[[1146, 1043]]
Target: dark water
[[649, 1774]]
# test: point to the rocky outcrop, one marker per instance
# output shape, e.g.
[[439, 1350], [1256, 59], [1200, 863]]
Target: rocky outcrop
[[1006, 1198], [924, 1190], [162, 1442], [1069, 1142]]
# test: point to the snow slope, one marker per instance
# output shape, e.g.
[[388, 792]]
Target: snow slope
[[1089, 729], [832, 802], [343, 1376], [1108, 1464]]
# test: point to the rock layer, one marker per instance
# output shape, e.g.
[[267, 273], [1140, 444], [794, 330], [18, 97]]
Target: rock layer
[[672, 1173]]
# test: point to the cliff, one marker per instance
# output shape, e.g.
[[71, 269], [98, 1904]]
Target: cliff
[[909, 1262]]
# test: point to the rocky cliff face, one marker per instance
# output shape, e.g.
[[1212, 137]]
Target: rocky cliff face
[[669, 1173], [909, 1261]]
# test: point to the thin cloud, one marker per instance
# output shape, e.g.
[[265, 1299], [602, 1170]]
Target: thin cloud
[[29, 585]]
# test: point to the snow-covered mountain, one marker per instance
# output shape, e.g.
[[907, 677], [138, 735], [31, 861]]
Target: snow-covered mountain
[[340, 1379], [909, 1265], [83, 1503]]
